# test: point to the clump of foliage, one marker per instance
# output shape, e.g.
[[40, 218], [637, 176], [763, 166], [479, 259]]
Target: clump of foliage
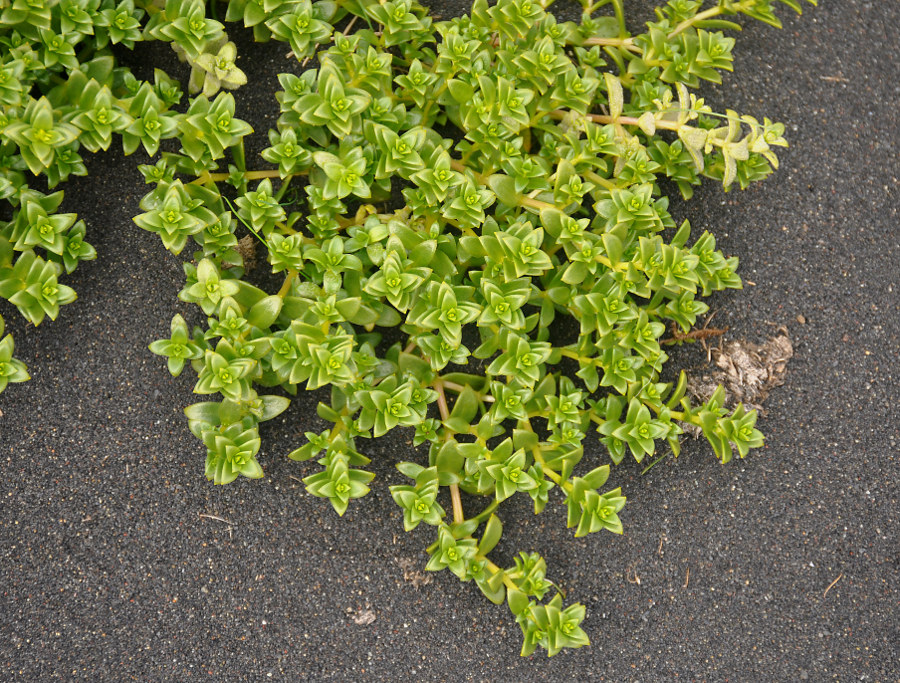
[[61, 91], [527, 154]]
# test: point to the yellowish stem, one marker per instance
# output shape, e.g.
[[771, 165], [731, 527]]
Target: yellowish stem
[[508, 581], [600, 180], [626, 43], [288, 281], [687, 23], [458, 515], [487, 398], [622, 120], [535, 203], [462, 168], [249, 175]]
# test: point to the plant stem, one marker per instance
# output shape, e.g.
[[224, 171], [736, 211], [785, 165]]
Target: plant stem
[[286, 286], [568, 353], [283, 189], [259, 175], [535, 203], [650, 466], [559, 114], [458, 514], [687, 23], [484, 514], [625, 43], [453, 386], [708, 14], [508, 581], [551, 473], [600, 180], [462, 168]]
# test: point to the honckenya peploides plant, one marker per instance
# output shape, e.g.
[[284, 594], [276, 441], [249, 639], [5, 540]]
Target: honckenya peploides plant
[[470, 228]]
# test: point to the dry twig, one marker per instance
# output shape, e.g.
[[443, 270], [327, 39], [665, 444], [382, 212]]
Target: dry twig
[[218, 519], [632, 571], [831, 585]]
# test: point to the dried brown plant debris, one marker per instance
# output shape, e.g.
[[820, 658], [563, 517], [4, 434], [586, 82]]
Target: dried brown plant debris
[[246, 247], [748, 371], [412, 574]]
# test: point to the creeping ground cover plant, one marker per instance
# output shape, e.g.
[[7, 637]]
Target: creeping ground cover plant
[[469, 220]]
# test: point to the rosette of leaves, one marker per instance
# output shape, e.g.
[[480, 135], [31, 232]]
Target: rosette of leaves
[[529, 262]]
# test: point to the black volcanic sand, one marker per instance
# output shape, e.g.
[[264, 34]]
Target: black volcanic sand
[[116, 568]]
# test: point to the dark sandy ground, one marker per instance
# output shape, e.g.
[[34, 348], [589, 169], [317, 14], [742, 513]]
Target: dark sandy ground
[[115, 568]]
